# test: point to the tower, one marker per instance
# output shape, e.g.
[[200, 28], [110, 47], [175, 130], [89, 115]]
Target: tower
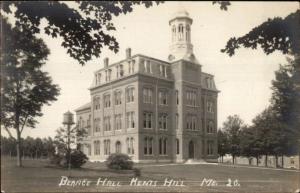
[[181, 46]]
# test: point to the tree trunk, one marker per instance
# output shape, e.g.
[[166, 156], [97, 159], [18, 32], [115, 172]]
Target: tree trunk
[[233, 159], [19, 156], [266, 161], [282, 161], [276, 161], [257, 160]]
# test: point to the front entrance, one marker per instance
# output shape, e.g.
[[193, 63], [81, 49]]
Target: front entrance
[[191, 150]]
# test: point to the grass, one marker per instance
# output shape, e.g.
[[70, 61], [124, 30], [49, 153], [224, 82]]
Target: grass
[[39, 176]]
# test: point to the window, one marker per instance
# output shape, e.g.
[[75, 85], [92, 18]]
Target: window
[[118, 98], [108, 75], [148, 120], [177, 147], [163, 97], [148, 146], [191, 122], [163, 70], [147, 66], [107, 101], [89, 125], [130, 94], [131, 65], [210, 127], [210, 108], [177, 97], [147, 95], [209, 82], [176, 120], [191, 97], [130, 119], [97, 103], [97, 147], [180, 30], [118, 147], [98, 78], [120, 70], [162, 144], [106, 147], [162, 121], [130, 145], [210, 145], [107, 124], [187, 33], [118, 121], [97, 125]]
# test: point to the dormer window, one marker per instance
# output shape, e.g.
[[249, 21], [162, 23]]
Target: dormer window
[[131, 66], [209, 83], [147, 66], [163, 71]]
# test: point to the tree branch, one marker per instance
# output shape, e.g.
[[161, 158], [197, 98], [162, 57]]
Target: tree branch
[[23, 124], [9, 133]]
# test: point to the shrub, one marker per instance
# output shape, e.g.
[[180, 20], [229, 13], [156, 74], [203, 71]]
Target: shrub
[[119, 161], [78, 158]]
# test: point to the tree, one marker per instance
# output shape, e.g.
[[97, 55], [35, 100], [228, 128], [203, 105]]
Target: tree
[[232, 128], [84, 26], [281, 34], [25, 88], [222, 144], [286, 103], [251, 144], [66, 141]]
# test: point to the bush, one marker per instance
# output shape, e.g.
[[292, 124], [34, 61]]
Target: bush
[[78, 158], [119, 161]]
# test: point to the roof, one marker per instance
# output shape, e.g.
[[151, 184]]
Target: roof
[[84, 107]]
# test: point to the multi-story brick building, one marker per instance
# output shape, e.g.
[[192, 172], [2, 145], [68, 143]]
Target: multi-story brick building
[[153, 110]]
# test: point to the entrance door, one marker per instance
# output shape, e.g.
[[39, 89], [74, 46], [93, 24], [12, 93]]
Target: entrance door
[[191, 150]]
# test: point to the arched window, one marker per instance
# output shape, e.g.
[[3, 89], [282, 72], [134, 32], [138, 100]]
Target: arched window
[[177, 147], [118, 147], [180, 31], [187, 36]]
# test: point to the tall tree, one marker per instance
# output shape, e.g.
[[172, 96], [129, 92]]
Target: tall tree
[[232, 128], [286, 102], [223, 148], [25, 88], [84, 26]]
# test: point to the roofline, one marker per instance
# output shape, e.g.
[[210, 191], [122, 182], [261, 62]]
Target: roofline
[[136, 55]]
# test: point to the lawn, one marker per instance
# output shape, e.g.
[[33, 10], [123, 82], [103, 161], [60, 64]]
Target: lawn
[[39, 176]]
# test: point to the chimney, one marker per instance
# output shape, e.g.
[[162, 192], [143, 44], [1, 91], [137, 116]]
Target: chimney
[[128, 53], [105, 62]]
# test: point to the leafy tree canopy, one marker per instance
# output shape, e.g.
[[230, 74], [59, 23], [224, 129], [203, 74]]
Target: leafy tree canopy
[[84, 28], [280, 34]]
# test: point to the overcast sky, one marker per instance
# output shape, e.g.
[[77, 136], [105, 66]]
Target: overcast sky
[[244, 79]]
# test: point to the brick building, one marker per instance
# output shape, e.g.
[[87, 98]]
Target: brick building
[[153, 110]]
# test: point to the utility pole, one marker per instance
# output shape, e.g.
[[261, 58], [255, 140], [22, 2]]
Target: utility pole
[[68, 120]]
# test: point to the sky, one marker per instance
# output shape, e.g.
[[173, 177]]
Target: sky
[[243, 79]]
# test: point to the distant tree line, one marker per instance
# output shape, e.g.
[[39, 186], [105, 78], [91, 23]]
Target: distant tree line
[[273, 132], [33, 148]]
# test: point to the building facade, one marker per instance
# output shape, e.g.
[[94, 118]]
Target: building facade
[[153, 110]]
